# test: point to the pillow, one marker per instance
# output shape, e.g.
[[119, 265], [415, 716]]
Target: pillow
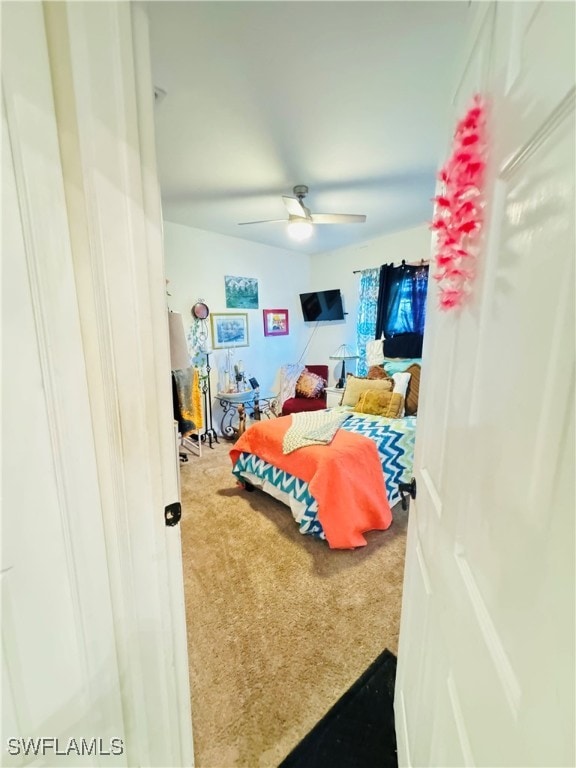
[[401, 381], [289, 375], [398, 365], [355, 386], [374, 352], [413, 390], [378, 403], [309, 385], [376, 372]]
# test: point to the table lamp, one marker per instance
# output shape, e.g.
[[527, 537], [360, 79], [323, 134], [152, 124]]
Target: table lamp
[[343, 353], [179, 356]]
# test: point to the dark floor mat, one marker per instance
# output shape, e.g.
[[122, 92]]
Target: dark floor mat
[[358, 732]]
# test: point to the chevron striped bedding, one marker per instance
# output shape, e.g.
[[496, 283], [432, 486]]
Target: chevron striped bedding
[[394, 439]]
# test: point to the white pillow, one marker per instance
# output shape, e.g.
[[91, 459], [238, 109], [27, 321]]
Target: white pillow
[[374, 353], [289, 375], [401, 385]]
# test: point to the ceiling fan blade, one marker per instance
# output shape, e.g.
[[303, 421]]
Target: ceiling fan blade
[[338, 218], [295, 207], [263, 221]]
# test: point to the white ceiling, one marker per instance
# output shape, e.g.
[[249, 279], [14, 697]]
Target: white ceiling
[[350, 98]]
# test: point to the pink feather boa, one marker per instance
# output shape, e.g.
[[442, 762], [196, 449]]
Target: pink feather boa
[[458, 215]]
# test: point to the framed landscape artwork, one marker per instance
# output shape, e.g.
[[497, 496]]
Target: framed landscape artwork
[[275, 322], [241, 292], [229, 330]]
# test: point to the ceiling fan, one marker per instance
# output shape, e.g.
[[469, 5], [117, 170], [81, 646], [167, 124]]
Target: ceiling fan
[[298, 213]]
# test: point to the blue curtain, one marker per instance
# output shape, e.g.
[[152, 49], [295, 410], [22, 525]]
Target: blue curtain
[[401, 310], [367, 312]]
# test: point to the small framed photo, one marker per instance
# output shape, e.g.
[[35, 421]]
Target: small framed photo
[[275, 322], [229, 330]]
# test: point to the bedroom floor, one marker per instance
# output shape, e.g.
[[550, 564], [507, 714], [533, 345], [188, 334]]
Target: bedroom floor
[[279, 625]]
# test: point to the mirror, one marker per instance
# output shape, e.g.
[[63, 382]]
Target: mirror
[[200, 310]]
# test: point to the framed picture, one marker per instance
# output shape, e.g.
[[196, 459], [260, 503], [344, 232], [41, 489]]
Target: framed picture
[[229, 330], [241, 292], [275, 322]]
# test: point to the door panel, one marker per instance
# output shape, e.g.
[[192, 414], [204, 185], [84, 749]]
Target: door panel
[[493, 520], [478, 61], [542, 69], [432, 422], [417, 583], [454, 750], [59, 675], [94, 642]]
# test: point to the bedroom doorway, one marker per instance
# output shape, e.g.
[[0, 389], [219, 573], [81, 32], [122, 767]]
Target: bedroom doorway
[[528, 33]]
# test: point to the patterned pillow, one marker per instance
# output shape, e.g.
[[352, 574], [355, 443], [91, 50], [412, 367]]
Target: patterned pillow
[[309, 385], [413, 389], [356, 386], [378, 403]]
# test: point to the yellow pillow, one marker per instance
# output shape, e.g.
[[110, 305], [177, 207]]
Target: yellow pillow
[[378, 403], [356, 386]]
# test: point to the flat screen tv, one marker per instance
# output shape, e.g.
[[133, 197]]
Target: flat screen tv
[[322, 305]]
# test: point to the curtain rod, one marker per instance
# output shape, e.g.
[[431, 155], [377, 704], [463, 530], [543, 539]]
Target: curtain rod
[[420, 263]]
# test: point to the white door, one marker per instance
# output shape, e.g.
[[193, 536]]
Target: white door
[[94, 642], [486, 654], [60, 676]]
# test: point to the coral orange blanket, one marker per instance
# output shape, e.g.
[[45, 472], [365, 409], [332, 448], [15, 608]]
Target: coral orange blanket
[[345, 477]]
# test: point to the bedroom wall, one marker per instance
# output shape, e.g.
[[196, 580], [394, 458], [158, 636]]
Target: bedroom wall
[[196, 263], [334, 269]]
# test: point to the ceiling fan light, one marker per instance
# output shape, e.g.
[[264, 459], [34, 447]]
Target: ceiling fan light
[[300, 230]]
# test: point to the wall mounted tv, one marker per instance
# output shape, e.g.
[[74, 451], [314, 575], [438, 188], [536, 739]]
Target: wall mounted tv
[[322, 305]]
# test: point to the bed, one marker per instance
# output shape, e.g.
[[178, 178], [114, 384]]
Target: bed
[[335, 492]]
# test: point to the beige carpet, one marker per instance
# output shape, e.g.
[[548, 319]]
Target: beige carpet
[[279, 625]]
